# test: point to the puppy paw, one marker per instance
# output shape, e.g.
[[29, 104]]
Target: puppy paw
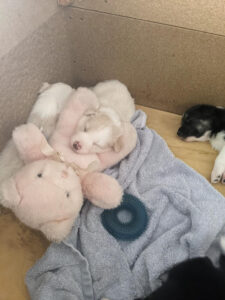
[[218, 173], [222, 244], [223, 179]]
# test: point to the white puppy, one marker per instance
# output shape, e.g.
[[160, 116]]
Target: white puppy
[[101, 130], [51, 99], [115, 96]]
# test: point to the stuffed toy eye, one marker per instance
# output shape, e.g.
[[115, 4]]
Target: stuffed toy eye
[[39, 175], [67, 194]]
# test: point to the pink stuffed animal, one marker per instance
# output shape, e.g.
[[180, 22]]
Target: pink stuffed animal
[[46, 194]]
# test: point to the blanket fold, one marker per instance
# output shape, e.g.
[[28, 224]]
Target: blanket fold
[[185, 215]]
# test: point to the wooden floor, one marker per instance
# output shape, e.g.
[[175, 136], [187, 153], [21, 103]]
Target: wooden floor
[[20, 247]]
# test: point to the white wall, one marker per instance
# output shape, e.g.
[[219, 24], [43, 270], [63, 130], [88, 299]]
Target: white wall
[[19, 18]]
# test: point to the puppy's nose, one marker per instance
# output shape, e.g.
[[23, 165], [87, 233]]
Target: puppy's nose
[[77, 145]]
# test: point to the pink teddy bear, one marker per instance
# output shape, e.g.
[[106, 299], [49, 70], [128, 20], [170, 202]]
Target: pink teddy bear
[[47, 193]]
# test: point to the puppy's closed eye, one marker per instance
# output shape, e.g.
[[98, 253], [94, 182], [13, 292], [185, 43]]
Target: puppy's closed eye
[[86, 127], [97, 145], [90, 113], [187, 120], [186, 117]]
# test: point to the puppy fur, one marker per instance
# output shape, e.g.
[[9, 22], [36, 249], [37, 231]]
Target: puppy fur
[[194, 279], [51, 99], [206, 123], [115, 95], [100, 130]]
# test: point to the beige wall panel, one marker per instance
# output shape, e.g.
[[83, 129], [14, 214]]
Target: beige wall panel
[[43, 56], [164, 67], [19, 18], [204, 15]]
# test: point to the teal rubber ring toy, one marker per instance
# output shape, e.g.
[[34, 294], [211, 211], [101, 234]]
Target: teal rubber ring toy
[[131, 229]]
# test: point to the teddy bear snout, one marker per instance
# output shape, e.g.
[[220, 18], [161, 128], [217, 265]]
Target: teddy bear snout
[[77, 145]]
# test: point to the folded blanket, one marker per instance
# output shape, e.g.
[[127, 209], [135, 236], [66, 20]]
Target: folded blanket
[[185, 215]]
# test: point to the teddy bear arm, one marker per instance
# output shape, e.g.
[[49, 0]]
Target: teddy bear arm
[[10, 197], [102, 190], [81, 100]]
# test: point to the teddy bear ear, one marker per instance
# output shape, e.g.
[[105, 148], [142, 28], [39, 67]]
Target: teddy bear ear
[[10, 197], [31, 143]]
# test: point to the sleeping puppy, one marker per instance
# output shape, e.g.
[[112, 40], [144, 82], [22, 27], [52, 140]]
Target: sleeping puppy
[[98, 132], [101, 130], [194, 279], [50, 102], [206, 123]]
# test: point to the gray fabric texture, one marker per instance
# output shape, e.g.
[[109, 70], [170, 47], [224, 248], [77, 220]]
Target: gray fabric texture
[[185, 215]]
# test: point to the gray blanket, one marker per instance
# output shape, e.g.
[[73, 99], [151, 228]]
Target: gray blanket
[[185, 215]]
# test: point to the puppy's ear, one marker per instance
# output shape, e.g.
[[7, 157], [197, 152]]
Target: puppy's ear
[[118, 145]]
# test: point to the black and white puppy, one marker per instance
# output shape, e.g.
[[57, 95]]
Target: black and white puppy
[[206, 123], [194, 279]]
